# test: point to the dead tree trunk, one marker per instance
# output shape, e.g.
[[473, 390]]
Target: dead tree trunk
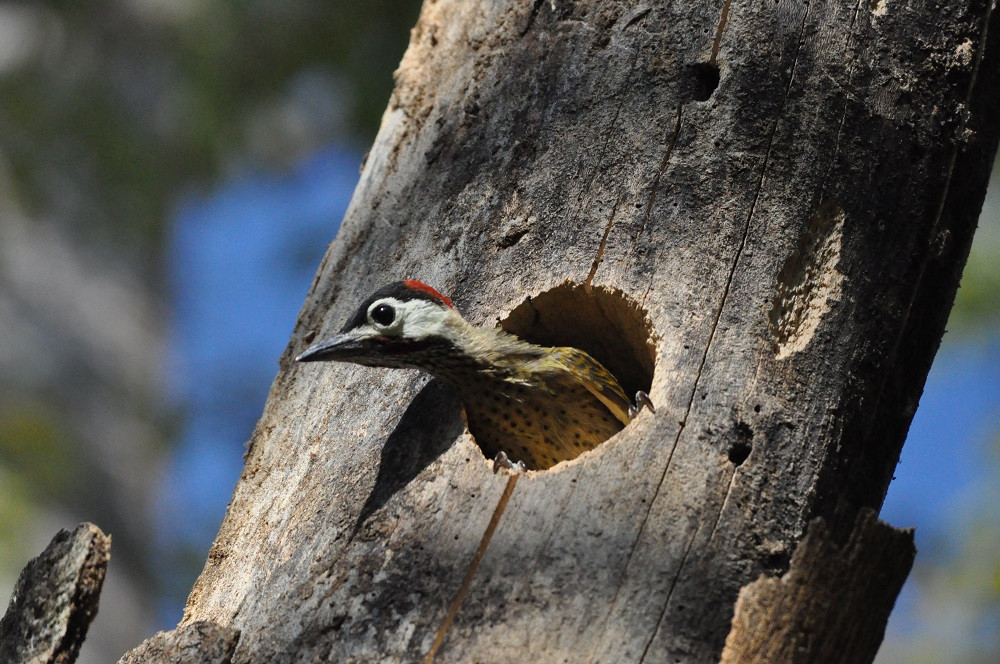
[[759, 209]]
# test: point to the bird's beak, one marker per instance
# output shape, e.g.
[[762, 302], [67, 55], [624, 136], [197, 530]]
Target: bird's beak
[[342, 347]]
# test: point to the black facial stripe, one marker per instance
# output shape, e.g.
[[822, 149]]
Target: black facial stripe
[[359, 318], [393, 345], [398, 290]]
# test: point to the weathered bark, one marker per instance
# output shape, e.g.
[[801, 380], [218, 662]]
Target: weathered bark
[[784, 193], [56, 598]]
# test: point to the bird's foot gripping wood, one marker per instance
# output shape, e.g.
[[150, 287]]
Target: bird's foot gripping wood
[[641, 399], [501, 460]]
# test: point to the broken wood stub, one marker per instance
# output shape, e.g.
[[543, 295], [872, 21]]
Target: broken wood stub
[[201, 642], [822, 609], [56, 598]]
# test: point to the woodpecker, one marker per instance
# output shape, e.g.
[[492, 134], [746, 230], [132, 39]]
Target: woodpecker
[[528, 406]]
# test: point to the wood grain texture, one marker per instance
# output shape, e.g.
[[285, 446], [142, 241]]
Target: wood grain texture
[[794, 235], [56, 598]]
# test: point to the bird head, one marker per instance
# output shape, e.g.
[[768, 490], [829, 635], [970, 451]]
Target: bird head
[[403, 325]]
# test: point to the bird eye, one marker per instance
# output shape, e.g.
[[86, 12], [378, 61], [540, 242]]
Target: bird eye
[[383, 314]]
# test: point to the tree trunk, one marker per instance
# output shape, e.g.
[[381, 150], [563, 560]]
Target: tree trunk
[[760, 210]]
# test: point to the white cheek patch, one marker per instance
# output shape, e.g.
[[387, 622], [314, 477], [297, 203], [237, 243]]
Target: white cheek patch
[[415, 319], [420, 319]]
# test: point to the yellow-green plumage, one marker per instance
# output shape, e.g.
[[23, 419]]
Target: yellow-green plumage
[[539, 405]]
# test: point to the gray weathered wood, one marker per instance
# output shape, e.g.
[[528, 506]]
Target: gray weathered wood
[[56, 598], [793, 235]]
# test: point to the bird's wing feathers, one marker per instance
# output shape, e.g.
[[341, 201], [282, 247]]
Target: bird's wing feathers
[[591, 374]]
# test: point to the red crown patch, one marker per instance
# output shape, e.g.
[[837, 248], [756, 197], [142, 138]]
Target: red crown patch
[[421, 286]]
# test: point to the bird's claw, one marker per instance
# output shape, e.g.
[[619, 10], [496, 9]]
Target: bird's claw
[[501, 460], [641, 399]]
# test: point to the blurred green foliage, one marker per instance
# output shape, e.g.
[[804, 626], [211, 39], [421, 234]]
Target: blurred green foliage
[[977, 305], [17, 509], [32, 440], [37, 458], [120, 105]]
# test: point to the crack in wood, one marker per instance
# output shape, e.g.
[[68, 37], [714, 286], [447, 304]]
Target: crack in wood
[[847, 90], [614, 119], [531, 17], [717, 42], [645, 295], [597, 168], [463, 589], [725, 501], [850, 29], [599, 256], [663, 611], [641, 14], [659, 172], [611, 128]]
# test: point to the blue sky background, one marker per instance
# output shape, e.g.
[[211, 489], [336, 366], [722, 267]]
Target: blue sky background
[[947, 450], [241, 260]]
